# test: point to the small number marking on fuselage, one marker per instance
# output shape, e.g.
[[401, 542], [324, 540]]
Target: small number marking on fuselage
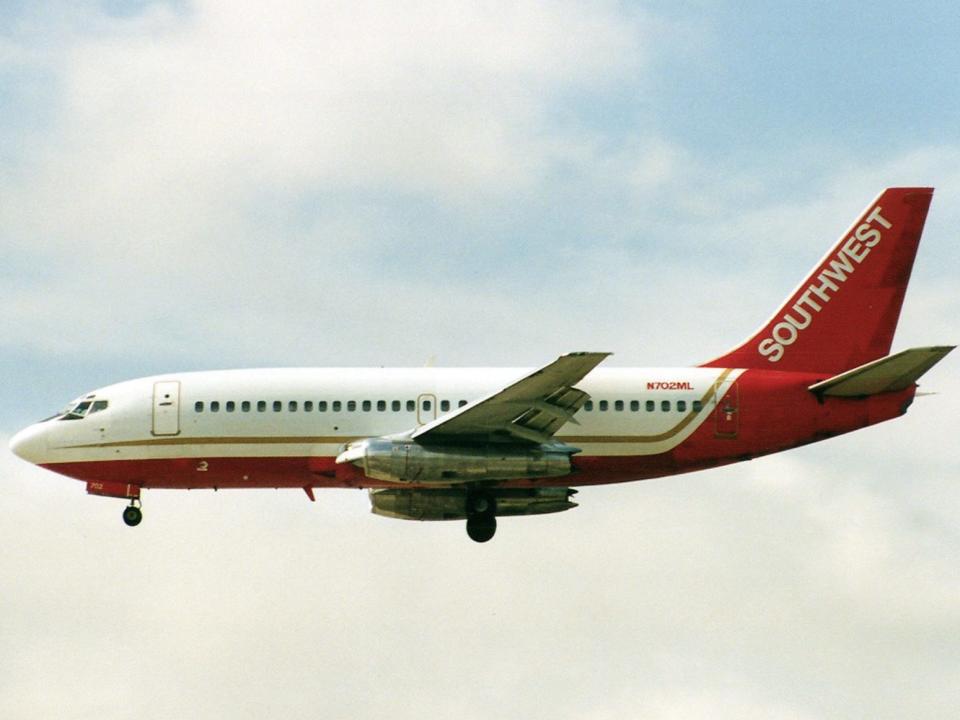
[[671, 385]]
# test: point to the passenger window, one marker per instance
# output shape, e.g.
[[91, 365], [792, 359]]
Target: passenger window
[[427, 405], [411, 406], [308, 405], [697, 406], [351, 405], [381, 405], [651, 406], [245, 406], [395, 406], [444, 405], [618, 405], [634, 405], [337, 405], [215, 406], [231, 406], [277, 406], [367, 405], [198, 406], [681, 405], [461, 403], [604, 405], [322, 406], [665, 406], [588, 406], [261, 405], [292, 406]]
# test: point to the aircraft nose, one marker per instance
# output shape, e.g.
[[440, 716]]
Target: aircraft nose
[[30, 444]]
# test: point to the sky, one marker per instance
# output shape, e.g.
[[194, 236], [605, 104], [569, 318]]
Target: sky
[[200, 185]]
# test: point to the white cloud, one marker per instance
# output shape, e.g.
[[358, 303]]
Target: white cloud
[[206, 159], [436, 98]]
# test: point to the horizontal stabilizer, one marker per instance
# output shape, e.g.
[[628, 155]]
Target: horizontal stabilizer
[[888, 374]]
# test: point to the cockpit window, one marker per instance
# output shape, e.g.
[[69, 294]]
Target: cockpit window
[[77, 411]]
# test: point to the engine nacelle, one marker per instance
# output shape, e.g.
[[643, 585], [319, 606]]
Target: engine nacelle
[[451, 503], [405, 461]]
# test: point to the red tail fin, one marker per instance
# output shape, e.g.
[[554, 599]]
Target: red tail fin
[[845, 313]]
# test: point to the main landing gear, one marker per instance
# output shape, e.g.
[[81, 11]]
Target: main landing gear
[[481, 516], [132, 514]]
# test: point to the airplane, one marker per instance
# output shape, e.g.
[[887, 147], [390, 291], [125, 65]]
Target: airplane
[[476, 444]]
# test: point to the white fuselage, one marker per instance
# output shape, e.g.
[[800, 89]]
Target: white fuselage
[[313, 412]]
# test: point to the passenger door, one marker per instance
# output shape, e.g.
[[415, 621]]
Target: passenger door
[[166, 407]]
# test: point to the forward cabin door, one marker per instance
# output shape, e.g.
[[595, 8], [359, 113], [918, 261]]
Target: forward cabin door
[[166, 408]]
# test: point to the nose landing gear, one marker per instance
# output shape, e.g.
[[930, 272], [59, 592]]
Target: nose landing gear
[[132, 514], [127, 491]]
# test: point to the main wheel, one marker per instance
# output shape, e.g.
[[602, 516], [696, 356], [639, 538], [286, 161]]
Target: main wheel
[[480, 529], [132, 515]]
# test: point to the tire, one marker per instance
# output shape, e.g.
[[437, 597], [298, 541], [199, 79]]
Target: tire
[[132, 516], [481, 529]]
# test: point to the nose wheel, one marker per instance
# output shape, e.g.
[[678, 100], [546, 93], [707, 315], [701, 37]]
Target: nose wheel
[[132, 514]]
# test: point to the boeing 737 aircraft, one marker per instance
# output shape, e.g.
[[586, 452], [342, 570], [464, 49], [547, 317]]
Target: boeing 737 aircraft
[[479, 443]]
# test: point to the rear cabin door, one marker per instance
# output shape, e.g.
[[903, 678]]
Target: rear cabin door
[[728, 412], [166, 408]]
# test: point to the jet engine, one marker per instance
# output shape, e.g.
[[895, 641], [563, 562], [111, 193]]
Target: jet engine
[[451, 503], [406, 461]]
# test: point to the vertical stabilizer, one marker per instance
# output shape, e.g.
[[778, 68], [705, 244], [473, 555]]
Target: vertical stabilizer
[[845, 313]]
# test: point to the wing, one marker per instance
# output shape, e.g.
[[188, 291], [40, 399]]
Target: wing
[[530, 410]]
